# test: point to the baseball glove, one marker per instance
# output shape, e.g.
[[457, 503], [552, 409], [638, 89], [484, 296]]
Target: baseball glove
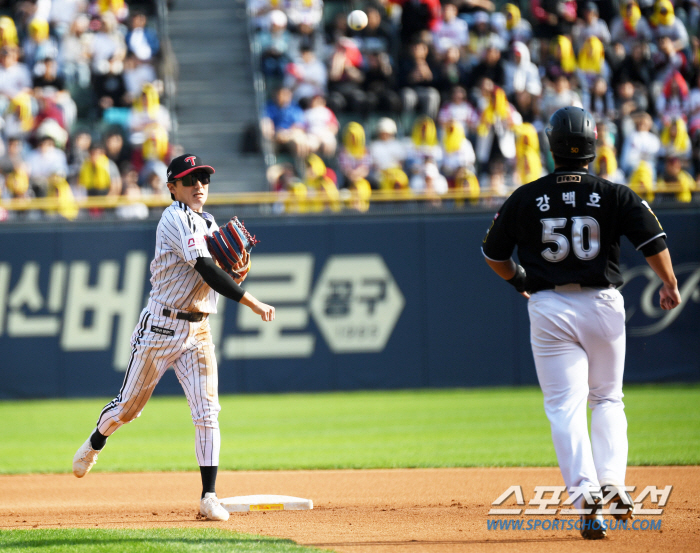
[[227, 246]]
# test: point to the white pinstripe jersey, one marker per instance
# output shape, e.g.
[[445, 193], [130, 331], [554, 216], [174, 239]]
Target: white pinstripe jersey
[[179, 242]]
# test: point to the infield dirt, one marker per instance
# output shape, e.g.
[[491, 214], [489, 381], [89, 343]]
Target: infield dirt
[[373, 511]]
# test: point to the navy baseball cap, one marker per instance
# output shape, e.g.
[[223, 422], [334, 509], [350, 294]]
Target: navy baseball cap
[[184, 165]]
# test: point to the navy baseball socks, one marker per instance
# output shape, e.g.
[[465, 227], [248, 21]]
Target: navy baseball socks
[[97, 440]]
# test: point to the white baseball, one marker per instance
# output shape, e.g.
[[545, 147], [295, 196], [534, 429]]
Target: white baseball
[[357, 20]]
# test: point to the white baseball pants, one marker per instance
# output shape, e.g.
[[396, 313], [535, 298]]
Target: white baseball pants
[[190, 351], [578, 341]]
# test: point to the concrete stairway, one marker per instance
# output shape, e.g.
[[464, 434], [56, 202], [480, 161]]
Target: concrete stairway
[[215, 96]]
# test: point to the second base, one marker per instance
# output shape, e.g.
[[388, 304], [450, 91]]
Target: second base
[[245, 503]]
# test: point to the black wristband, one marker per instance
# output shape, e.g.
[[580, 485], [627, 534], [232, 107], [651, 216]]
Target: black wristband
[[519, 280]]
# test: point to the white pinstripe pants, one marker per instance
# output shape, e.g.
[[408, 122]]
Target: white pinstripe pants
[[190, 352], [578, 341]]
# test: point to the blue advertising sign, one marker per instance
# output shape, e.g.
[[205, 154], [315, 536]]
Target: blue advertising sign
[[361, 303]]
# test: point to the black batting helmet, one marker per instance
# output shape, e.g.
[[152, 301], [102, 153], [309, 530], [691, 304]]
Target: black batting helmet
[[572, 134]]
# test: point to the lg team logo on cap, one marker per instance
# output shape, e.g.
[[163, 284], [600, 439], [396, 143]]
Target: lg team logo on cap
[[191, 160]]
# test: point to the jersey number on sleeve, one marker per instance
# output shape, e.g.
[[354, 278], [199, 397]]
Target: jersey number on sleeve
[[585, 238]]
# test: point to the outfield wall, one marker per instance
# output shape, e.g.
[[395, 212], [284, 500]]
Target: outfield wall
[[362, 303]]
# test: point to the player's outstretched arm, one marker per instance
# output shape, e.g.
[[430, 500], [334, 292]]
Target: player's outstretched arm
[[266, 312], [661, 264]]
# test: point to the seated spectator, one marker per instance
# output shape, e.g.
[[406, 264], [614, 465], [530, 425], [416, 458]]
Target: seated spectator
[[561, 59], [458, 152], [630, 27], [110, 88], [136, 74], [75, 52], [38, 44], [529, 109], [154, 153], [354, 158], [60, 189], [386, 152], [527, 154], [417, 16], [429, 180], [450, 31], [521, 73], [517, 28], [134, 209], [380, 82], [304, 12], [306, 77], [449, 71], [467, 183], [62, 15], [639, 68], [321, 126], [558, 97], [321, 191], [116, 8], [274, 45], [142, 41], [495, 133], [590, 25], [628, 100], [599, 101], [421, 150], [495, 183], [667, 61], [17, 184], [108, 46], [147, 111], [676, 182], [675, 141], [19, 116], [283, 124], [99, 175], [47, 77], [492, 66], [641, 145], [553, 17], [306, 35], [605, 165], [15, 76], [345, 78], [377, 36], [116, 148], [8, 32], [480, 36], [416, 81], [43, 162], [674, 100], [642, 181], [79, 151], [664, 23], [458, 109], [592, 64]]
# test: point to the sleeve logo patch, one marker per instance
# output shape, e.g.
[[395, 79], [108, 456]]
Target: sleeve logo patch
[[162, 331], [195, 242]]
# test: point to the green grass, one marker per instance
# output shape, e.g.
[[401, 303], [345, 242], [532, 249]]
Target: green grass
[[427, 428], [143, 541]]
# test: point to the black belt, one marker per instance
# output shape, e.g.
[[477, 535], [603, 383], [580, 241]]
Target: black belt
[[185, 316], [571, 284]]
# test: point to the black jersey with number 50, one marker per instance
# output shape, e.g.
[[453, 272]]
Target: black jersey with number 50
[[567, 227]]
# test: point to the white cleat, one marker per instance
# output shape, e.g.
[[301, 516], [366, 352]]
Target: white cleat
[[84, 459], [210, 507]]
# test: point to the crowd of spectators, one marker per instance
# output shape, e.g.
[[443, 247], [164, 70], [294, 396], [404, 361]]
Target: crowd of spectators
[[80, 111], [456, 95]]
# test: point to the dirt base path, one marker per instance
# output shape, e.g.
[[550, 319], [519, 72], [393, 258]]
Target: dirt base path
[[373, 511]]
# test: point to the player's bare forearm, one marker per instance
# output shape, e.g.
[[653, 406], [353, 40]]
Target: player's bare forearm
[[505, 269], [661, 264], [266, 312]]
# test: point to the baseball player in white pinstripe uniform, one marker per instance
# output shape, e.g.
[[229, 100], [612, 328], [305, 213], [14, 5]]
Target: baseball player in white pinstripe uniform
[[173, 330]]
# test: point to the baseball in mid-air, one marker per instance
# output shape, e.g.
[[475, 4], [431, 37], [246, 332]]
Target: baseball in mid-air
[[357, 20]]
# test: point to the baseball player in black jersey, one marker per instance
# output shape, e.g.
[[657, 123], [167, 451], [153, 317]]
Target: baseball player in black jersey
[[567, 228], [173, 330]]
